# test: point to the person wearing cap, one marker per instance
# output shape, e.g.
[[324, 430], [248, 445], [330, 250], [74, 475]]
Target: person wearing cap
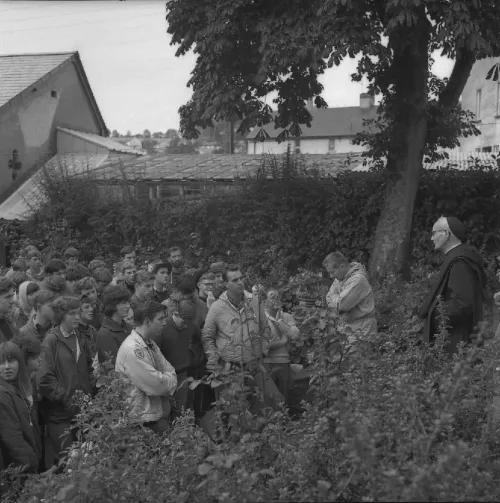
[[151, 378], [162, 287], [180, 343], [460, 285]]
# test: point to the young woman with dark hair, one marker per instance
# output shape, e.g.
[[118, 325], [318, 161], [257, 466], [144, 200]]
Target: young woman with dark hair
[[19, 441]]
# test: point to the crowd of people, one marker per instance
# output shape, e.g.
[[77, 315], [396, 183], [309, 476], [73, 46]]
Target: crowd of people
[[162, 324], [63, 322]]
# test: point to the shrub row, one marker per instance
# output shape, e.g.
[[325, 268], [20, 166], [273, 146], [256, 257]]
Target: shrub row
[[286, 215]]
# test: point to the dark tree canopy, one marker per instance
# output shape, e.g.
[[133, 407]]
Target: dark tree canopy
[[247, 49]]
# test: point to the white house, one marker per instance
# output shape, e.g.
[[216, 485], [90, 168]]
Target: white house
[[482, 97], [332, 131]]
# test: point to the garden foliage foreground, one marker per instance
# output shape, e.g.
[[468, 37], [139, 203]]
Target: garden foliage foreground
[[391, 421]]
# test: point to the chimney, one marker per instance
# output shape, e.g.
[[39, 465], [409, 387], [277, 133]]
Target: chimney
[[366, 100], [310, 105]]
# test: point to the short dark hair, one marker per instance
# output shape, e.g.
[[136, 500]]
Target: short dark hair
[[161, 265], [147, 310], [19, 265], [73, 274], [96, 264], [29, 345], [186, 284], [128, 265], [6, 284], [54, 255], [32, 288], [86, 283], [173, 249], [112, 296], [334, 260], [71, 252], [230, 268], [142, 276], [126, 250], [43, 297], [62, 306], [55, 265], [102, 274], [19, 277], [33, 253], [29, 248]]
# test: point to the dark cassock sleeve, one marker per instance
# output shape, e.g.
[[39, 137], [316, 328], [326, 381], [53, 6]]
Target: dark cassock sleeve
[[460, 291]]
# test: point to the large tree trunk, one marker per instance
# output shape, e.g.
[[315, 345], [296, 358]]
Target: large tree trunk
[[391, 250]]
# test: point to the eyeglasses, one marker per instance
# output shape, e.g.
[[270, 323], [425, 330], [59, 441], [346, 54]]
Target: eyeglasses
[[436, 232]]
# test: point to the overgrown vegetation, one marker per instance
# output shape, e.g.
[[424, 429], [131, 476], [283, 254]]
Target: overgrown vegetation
[[287, 217], [391, 421]]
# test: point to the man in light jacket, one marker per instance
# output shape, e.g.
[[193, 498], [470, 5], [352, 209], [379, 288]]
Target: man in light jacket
[[152, 379], [236, 335], [351, 297]]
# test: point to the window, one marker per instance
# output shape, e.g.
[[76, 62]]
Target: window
[[192, 190], [53, 94], [168, 191], [478, 104], [496, 148], [331, 144], [486, 149]]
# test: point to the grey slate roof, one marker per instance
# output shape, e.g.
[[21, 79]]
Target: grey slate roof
[[461, 161], [102, 141], [18, 72], [327, 123], [211, 167]]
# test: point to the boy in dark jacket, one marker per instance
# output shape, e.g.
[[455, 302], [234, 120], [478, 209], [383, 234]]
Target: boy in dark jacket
[[114, 330], [180, 343], [66, 367], [7, 301]]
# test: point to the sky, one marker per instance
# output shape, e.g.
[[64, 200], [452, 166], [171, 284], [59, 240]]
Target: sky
[[136, 78]]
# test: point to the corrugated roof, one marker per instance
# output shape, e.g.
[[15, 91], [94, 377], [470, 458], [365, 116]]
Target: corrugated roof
[[18, 205], [327, 122], [18, 72], [108, 143], [217, 167], [461, 161]]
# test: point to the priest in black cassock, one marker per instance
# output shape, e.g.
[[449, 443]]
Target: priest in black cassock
[[461, 285]]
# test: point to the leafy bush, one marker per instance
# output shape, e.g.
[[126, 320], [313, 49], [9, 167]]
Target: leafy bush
[[285, 218], [392, 421]]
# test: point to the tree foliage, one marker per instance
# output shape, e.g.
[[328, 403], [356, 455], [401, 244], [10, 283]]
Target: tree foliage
[[248, 49]]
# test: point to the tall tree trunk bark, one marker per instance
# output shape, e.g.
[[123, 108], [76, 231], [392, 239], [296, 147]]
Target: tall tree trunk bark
[[391, 250]]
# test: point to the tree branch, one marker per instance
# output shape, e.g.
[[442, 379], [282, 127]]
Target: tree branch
[[450, 95], [461, 70]]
